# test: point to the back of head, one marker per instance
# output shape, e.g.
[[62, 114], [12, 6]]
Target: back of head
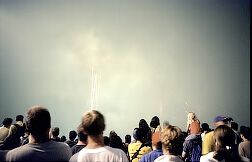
[[127, 138], [143, 124], [72, 135], [171, 141], [93, 123], [205, 127], [234, 125], [19, 118], [246, 132], [7, 122], [82, 137], [38, 120], [154, 122], [191, 116], [139, 134], [224, 137], [106, 140], [225, 144], [55, 131]]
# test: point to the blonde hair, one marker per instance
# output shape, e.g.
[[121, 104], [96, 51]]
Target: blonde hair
[[93, 123], [191, 117], [170, 138]]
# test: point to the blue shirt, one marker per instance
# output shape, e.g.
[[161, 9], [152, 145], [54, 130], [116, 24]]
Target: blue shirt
[[150, 157]]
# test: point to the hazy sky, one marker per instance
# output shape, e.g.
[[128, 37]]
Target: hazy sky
[[160, 57]]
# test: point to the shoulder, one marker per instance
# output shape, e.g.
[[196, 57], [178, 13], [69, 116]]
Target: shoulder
[[166, 158], [209, 135], [19, 153], [74, 157], [208, 157], [161, 158], [61, 145]]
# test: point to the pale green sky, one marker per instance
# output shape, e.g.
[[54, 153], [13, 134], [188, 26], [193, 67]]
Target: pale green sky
[[179, 55]]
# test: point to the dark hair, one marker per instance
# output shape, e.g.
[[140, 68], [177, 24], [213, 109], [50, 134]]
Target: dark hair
[[234, 125], [72, 135], [62, 138], [93, 123], [127, 138], [19, 118], [154, 122], [246, 132], [205, 127], [139, 134], [7, 121], [225, 144], [38, 120], [106, 140], [55, 131], [143, 124], [82, 136]]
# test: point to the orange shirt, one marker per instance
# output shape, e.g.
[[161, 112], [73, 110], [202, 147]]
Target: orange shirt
[[194, 127]]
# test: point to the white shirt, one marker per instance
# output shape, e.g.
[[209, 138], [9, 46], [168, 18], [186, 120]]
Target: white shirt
[[168, 158], [208, 158], [102, 154]]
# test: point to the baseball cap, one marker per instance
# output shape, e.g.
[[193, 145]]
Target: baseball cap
[[219, 118]]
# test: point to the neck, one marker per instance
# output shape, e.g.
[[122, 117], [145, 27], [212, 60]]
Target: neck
[[81, 143], [95, 142], [34, 139]]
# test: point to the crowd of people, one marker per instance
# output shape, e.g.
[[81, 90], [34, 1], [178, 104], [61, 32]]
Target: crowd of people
[[33, 139]]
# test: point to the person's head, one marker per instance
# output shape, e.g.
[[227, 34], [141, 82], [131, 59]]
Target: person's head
[[224, 137], [106, 140], [245, 133], [62, 138], [234, 125], [81, 136], [219, 120], [139, 134], [154, 122], [127, 138], [191, 116], [143, 124], [228, 121], [93, 123], [166, 124], [205, 127], [20, 118], [72, 135], [7, 122], [225, 144], [55, 131], [112, 134], [170, 138], [38, 121]]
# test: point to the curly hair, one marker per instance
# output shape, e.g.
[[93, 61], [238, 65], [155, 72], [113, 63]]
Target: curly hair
[[171, 140]]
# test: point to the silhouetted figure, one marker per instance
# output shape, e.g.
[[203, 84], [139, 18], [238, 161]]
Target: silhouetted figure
[[55, 134], [72, 136], [82, 142], [4, 130], [16, 131], [244, 146]]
